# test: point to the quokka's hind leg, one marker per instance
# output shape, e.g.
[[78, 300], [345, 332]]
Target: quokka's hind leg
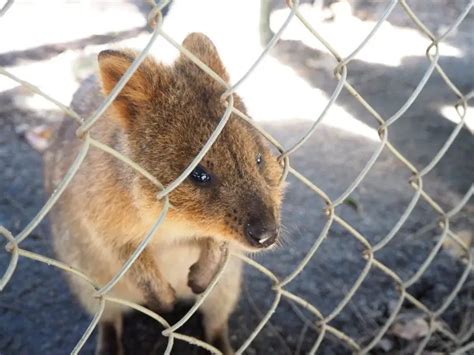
[[219, 305], [110, 324], [216, 328], [221, 340], [109, 341]]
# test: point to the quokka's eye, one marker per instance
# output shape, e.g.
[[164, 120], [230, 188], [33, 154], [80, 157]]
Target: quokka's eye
[[259, 159], [200, 176]]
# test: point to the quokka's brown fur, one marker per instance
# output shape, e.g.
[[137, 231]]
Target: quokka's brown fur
[[161, 119]]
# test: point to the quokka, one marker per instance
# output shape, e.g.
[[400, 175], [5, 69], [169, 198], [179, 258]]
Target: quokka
[[161, 119]]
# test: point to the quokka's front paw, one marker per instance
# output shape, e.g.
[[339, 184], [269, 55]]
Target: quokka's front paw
[[167, 299], [207, 266], [198, 279], [162, 300]]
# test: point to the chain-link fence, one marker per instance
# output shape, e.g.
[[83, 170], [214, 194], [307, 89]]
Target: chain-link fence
[[323, 324]]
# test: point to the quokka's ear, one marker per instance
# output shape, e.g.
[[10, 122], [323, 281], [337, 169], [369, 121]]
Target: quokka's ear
[[203, 48], [140, 88]]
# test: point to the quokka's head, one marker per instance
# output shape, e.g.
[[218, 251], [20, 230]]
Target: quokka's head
[[167, 114]]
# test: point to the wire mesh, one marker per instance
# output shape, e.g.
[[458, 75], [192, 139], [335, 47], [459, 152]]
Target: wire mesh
[[323, 326]]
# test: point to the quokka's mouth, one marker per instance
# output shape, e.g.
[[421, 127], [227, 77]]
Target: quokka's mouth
[[264, 241]]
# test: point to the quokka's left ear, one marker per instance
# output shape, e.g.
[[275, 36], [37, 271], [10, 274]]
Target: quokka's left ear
[[203, 48], [139, 90]]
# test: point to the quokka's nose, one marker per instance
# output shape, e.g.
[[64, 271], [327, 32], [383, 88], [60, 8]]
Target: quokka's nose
[[261, 234]]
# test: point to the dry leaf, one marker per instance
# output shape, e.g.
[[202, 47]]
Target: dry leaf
[[39, 137], [410, 329], [453, 247]]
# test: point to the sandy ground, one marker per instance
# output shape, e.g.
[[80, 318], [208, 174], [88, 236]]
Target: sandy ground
[[38, 315]]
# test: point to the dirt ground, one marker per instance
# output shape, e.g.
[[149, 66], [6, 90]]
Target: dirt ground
[[38, 314]]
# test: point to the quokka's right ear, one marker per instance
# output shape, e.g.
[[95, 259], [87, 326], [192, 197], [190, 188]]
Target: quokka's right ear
[[140, 88], [203, 48]]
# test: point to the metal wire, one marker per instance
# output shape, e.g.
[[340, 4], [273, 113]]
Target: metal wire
[[341, 71]]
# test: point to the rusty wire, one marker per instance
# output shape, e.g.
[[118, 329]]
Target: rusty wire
[[322, 325]]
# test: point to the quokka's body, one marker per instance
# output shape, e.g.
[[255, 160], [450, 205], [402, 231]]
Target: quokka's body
[[160, 120]]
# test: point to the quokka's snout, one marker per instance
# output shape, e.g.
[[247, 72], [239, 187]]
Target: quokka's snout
[[261, 226], [261, 233]]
